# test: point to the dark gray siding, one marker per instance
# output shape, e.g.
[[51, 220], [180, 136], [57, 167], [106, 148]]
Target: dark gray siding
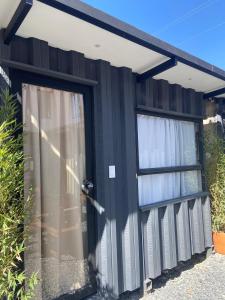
[[173, 232], [160, 94], [117, 251], [118, 255], [4, 52]]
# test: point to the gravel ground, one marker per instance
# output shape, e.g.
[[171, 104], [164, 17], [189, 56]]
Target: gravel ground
[[198, 279]]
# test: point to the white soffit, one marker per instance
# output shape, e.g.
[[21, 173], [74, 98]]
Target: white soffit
[[7, 9], [70, 33], [221, 96], [192, 78]]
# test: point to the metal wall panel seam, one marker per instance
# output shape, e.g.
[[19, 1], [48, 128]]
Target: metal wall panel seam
[[183, 232], [131, 239], [196, 226], [153, 244], [168, 238], [206, 210], [107, 257]]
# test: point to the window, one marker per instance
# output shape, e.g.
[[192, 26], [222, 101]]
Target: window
[[168, 159]]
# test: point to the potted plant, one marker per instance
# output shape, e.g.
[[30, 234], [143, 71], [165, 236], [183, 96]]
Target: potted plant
[[215, 176]]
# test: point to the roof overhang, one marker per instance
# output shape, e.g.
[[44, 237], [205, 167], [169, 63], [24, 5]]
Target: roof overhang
[[73, 25]]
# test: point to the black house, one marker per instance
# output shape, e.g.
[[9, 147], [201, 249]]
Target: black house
[[113, 120]]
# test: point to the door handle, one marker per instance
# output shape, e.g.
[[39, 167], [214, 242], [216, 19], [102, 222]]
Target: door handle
[[87, 187]]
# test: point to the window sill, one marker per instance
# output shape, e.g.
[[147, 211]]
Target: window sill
[[147, 207], [150, 171]]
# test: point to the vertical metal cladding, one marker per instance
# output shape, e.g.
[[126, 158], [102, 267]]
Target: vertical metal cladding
[[196, 226], [169, 234], [118, 240], [117, 250], [174, 233], [206, 214], [130, 238], [167, 237], [151, 243], [183, 238], [106, 254], [4, 53]]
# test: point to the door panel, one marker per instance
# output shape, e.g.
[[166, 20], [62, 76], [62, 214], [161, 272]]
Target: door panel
[[59, 249]]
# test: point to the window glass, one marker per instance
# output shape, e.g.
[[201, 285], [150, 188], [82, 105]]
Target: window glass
[[165, 142], [159, 187]]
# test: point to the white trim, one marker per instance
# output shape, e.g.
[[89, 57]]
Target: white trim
[[5, 77]]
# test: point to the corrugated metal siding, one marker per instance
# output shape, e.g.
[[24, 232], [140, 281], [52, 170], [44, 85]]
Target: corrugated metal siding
[[106, 254], [117, 252], [172, 97], [128, 199], [3, 53], [174, 233], [118, 255]]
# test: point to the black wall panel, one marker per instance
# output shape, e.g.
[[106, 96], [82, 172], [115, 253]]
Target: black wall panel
[[172, 97], [115, 97]]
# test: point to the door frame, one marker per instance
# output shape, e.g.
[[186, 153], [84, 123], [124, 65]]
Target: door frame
[[18, 78]]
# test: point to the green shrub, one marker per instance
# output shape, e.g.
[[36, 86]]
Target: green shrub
[[215, 176], [13, 206]]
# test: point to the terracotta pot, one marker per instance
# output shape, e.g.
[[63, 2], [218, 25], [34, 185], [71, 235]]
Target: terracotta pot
[[219, 242]]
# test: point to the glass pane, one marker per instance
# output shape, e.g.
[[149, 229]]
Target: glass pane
[[55, 141], [165, 142], [159, 187]]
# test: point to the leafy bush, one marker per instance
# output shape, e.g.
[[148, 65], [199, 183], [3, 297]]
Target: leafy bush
[[215, 176], [13, 206]]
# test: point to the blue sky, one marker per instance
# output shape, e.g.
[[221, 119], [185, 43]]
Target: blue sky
[[196, 26]]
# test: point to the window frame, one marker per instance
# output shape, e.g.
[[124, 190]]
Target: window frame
[[198, 120]]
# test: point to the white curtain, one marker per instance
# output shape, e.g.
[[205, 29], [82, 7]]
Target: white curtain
[[55, 143], [166, 143], [160, 187]]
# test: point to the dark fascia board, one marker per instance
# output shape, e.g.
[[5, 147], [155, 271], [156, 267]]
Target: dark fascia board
[[111, 24], [146, 110], [172, 62], [214, 93], [46, 72], [17, 19]]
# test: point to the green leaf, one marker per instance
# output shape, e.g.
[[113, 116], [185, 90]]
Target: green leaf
[[14, 208]]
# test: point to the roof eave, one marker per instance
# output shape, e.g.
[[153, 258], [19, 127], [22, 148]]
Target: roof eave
[[131, 33]]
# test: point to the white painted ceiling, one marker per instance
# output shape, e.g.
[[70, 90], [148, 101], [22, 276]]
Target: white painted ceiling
[[7, 9], [191, 78], [70, 33]]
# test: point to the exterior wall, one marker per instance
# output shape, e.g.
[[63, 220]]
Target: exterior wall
[[173, 232], [119, 252], [171, 97], [4, 83]]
